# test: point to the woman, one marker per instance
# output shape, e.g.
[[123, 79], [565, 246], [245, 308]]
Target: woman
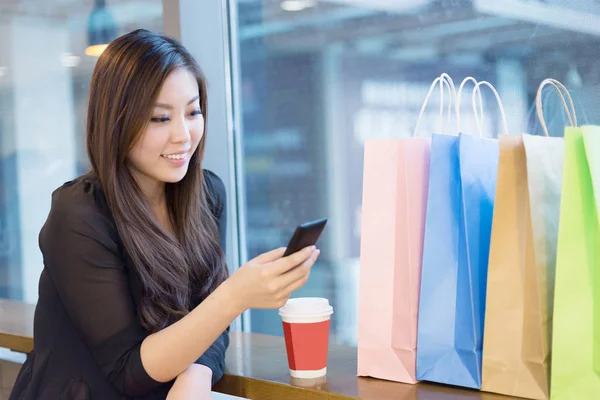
[[134, 298]]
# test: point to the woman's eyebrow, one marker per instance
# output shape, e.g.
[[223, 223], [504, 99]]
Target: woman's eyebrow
[[170, 107]]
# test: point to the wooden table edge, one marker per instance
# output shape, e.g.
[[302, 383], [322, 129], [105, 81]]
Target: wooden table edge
[[16, 343], [253, 388]]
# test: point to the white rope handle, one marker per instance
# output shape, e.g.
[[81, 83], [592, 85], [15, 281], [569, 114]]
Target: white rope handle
[[500, 105], [442, 80], [458, 100], [453, 98], [560, 88]]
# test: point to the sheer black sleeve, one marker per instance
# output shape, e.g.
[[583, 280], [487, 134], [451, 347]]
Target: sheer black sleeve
[[217, 200], [82, 255]]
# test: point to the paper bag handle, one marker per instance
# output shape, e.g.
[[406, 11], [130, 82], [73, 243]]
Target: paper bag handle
[[458, 99], [560, 88], [476, 89], [443, 79]]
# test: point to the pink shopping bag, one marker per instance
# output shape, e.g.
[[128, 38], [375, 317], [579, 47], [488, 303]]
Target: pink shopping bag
[[396, 176]]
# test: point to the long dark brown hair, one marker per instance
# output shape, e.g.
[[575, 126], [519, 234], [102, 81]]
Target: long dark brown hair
[[124, 87]]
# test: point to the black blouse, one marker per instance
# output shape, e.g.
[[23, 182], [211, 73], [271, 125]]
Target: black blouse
[[86, 329]]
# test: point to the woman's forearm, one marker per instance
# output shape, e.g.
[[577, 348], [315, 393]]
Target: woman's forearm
[[168, 353], [263, 282]]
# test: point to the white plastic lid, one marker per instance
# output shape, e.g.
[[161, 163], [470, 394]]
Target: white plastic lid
[[306, 307]]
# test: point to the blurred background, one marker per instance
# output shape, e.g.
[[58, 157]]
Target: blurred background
[[316, 78]]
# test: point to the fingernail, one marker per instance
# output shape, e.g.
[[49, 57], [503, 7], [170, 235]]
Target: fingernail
[[312, 248]]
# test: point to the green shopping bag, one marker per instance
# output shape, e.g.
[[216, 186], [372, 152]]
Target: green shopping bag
[[576, 330]]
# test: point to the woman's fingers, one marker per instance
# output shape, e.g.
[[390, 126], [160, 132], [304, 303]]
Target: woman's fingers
[[298, 276], [271, 256], [290, 262], [299, 282]]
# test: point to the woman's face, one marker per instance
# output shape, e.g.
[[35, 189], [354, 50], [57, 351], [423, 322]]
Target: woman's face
[[163, 151]]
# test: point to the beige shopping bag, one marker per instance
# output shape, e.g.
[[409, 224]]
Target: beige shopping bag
[[520, 289]]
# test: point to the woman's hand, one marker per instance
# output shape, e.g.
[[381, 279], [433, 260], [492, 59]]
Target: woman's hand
[[192, 384], [268, 280]]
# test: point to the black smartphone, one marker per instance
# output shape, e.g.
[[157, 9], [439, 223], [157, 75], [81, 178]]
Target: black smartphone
[[305, 235]]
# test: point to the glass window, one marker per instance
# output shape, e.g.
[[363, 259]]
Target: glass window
[[319, 77], [44, 83]]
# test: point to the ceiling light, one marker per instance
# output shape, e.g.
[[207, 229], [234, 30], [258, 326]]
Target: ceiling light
[[101, 29], [95, 50], [297, 5]]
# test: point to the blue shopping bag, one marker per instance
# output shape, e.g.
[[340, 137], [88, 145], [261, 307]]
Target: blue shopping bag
[[462, 186]]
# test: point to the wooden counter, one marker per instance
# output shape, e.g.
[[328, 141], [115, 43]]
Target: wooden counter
[[257, 369], [16, 325]]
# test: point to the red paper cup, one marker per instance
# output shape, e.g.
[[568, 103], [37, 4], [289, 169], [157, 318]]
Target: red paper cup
[[306, 329]]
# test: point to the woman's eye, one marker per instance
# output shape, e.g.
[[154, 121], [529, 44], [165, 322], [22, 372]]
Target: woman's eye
[[160, 119], [196, 112]]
